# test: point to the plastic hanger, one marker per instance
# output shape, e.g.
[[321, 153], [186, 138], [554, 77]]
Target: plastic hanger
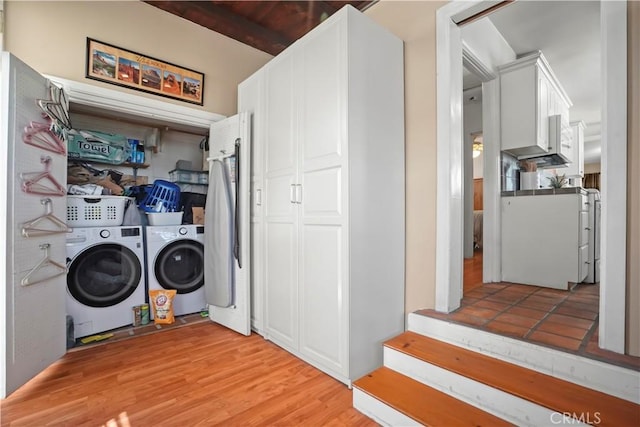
[[47, 265], [45, 136], [36, 182], [37, 227]]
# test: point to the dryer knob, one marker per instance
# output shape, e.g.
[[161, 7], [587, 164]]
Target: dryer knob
[[104, 234], [182, 231]]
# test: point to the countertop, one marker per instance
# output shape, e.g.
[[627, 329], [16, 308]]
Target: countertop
[[545, 192]]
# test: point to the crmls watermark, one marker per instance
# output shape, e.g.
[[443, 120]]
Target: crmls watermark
[[570, 418]]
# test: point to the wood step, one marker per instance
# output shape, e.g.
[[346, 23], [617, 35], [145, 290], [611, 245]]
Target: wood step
[[544, 390], [422, 403]]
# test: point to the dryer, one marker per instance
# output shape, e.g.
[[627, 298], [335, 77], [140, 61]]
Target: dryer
[[175, 260], [105, 278]]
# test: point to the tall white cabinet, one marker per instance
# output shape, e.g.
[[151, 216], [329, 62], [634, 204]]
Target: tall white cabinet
[[328, 194]]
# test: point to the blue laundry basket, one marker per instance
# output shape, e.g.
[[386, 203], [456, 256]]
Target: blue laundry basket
[[164, 196]]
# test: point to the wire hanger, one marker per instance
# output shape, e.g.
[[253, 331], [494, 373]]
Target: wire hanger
[[56, 107], [36, 182], [46, 136], [46, 265], [45, 224]]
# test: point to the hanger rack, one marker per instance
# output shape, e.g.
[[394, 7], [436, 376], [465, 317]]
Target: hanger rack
[[45, 263], [35, 182], [38, 226]]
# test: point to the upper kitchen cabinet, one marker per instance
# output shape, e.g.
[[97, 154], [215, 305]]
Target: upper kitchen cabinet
[[576, 168], [534, 110], [329, 116]]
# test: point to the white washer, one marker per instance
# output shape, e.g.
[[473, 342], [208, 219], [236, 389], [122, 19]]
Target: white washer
[[175, 260], [105, 278]]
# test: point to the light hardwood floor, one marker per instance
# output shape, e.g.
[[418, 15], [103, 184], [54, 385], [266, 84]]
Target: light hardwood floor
[[200, 374]]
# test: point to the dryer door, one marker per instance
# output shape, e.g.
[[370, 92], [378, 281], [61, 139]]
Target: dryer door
[[104, 275], [180, 266]]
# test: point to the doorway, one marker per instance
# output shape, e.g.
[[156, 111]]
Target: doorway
[[449, 210]]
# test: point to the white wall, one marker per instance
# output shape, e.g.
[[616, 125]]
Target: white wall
[[487, 44]]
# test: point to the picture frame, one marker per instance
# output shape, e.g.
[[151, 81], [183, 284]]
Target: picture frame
[[127, 68]]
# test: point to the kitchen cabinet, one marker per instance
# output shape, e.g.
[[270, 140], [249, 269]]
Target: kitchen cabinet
[[546, 238], [328, 199], [530, 94], [576, 168]]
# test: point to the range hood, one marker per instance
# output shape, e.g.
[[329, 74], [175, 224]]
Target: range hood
[[560, 146]]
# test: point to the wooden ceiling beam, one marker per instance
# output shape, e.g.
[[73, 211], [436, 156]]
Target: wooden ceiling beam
[[223, 21], [269, 26]]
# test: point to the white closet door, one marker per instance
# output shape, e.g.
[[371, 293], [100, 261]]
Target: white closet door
[[281, 222], [33, 316], [323, 239], [250, 99]]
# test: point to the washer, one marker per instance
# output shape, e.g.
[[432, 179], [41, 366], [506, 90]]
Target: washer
[[105, 278], [175, 260]]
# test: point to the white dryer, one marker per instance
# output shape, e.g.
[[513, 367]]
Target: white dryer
[[105, 278], [175, 260]]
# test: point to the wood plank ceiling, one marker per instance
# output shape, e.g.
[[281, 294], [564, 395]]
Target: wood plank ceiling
[[269, 26]]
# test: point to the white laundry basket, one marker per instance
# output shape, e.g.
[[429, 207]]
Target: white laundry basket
[[95, 211]]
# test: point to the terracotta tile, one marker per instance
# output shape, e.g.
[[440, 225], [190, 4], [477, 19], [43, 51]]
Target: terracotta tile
[[545, 299], [569, 320], [527, 312], [627, 361], [484, 313], [478, 293], [587, 298], [506, 328], [554, 340], [587, 289], [522, 288], [553, 293], [512, 295], [494, 286], [574, 312], [579, 306], [469, 301], [543, 306], [493, 305], [561, 329], [433, 313], [467, 319], [526, 322]]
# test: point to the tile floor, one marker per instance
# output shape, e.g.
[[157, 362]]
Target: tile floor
[[564, 320]]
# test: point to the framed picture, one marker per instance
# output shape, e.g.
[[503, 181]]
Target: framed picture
[[131, 69]]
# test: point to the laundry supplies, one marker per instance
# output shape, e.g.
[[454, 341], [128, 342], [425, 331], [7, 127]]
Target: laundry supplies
[[162, 302], [98, 146]]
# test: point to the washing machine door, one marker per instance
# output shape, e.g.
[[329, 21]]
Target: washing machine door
[[104, 275], [180, 266]]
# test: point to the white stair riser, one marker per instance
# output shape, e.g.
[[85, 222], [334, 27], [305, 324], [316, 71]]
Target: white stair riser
[[501, 404], [380, 412], [610, 379]]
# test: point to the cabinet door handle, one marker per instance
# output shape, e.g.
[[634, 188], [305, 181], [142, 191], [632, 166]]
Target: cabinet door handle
[[292, 193], [299, 194], [259, 197], [587, 228]]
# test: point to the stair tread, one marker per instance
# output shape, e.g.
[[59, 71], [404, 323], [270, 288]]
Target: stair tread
[[545, 390], [424, 404]]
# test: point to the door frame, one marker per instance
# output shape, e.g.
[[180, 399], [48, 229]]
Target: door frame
[[449, 222]]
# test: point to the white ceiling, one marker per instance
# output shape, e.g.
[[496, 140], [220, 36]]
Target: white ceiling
[[568, 34]]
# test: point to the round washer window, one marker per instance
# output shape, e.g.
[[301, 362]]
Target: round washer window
[[104, 275], [180, 266]]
